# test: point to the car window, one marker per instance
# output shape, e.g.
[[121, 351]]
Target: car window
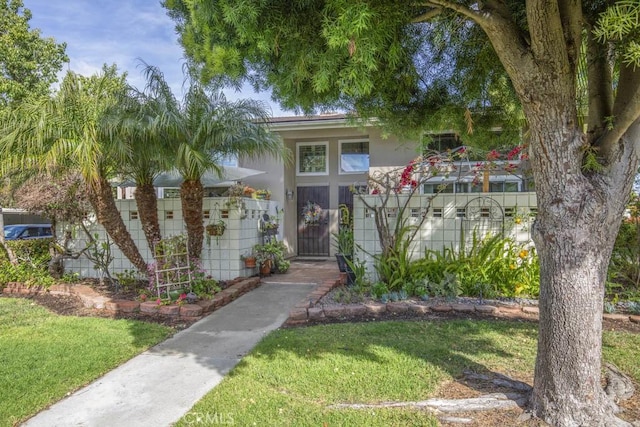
[[11, 232]]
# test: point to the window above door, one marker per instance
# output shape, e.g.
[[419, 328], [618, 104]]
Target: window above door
[[312, 158], [354, 156]]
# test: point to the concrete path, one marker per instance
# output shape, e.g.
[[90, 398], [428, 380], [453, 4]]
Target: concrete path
[[160, 385]]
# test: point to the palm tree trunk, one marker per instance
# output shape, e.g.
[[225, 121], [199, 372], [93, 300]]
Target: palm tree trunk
[[103, 203], [191, 197], [147, 203]]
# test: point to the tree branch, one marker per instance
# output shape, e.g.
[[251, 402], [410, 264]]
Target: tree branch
[[427, 15], [626, 110], [508, 41], [548, 42], [599, 82], [571, 17]]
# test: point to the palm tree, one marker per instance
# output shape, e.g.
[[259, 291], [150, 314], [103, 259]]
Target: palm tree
[[130, 122], [66, 131], [200, 131]]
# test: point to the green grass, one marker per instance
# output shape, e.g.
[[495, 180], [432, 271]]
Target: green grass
[[294, 375], [44, 356]]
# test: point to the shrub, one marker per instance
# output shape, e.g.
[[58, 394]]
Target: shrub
[[623, 278], [33, 261], [488, 268]]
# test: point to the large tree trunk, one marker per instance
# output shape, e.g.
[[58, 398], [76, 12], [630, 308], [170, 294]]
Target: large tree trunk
[[579, 216], [147, 203], [103, 203], [191, 197]]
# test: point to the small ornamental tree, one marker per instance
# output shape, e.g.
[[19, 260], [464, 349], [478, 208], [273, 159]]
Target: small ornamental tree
[[394, 191]]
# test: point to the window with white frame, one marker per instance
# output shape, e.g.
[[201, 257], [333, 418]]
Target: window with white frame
[[312, 158], [354, 156]]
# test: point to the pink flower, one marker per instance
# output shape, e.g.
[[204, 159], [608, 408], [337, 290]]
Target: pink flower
[[514, 153], [159, 301], [493, 155]]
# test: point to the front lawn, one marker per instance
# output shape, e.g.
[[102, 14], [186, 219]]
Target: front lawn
[[45, 356], [294, 375]]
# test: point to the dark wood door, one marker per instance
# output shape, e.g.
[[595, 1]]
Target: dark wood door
[[313, 221]]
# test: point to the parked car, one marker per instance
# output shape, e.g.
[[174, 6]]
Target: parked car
[[27, 231]]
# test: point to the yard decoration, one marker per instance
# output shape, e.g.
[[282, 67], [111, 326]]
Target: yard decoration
[[312, 213]]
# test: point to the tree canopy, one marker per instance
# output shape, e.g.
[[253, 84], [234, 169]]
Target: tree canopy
[[29, 63]]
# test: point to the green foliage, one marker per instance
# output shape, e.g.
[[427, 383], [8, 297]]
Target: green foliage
[[203, 285], [31, 251], [619, 23], [634, 307], [359, 268], [623, 277], [33, 261], [196, 133], [128, 279], [343, 239], [609, 307], [394, 265], [379, 289], [273, 250], [488, 268], [28, 61]]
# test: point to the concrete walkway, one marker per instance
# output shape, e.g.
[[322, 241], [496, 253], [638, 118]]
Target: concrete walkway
[[160, 385]]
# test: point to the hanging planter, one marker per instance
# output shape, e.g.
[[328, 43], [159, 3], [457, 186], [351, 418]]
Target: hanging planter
[[216, 229]]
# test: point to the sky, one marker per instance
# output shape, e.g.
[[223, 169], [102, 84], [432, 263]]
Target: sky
[[121, 32]]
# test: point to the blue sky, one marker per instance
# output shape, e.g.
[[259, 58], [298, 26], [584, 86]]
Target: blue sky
[[107, 31]]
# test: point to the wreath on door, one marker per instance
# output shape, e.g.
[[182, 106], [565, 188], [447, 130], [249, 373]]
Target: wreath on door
[[312, 213]]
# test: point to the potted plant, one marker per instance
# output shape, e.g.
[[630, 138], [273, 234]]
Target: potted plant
[[343, 241], [249, 260], [262, 194], [269, 225], [216, 228], [270, 256], [263, 258]]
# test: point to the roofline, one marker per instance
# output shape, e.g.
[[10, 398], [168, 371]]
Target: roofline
[[327, 121]]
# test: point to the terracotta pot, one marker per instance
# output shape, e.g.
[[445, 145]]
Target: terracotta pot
[[250, 262], [265, 268]]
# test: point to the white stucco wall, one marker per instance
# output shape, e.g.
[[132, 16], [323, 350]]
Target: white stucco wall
[[220, 258], [445, 225]]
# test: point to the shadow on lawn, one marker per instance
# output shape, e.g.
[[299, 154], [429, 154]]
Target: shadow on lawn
[[455, 348]]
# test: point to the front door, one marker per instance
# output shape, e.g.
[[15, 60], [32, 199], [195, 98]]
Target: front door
[[313, 221]]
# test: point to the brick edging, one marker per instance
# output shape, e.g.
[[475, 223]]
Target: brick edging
[[92, 299], [306, 310]]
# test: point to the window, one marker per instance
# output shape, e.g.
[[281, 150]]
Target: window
[[354, 156], [312, 158], [503, 187], [438, 188], [443, 141]]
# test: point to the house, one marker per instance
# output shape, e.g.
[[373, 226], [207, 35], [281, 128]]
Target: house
[[330, 156]]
